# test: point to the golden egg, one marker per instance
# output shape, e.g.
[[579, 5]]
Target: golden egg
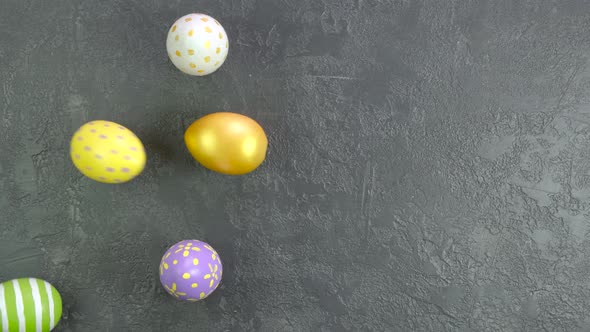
[[227, 143], [107, 152]]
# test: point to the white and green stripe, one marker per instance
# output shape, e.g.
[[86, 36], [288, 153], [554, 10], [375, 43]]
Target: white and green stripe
[[51, 304], [20, 310], [3, 315], [29, 305], [38, 306]]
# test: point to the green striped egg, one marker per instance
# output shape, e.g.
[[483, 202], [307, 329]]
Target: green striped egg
[[29, 305]]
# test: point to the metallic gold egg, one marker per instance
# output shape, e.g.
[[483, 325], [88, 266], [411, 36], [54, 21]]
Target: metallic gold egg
[[227, 143]]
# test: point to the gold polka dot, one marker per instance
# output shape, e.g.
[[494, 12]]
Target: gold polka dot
[[174, 28], [166, 266], [202, 295], [204, 19], [218, 50], [207, 44], [194, 285], [177, 53], [177, 38], [192, 65], [175, 262], [208, 29], [186, 276], [200, 71], [220, 35], [188, 19], [207, 59], [191, 33], [195, 261], [191, 52]]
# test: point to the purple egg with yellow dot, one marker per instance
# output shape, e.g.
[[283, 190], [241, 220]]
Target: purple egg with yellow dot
[[190, 270]]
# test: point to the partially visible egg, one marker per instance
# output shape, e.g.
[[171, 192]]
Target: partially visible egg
[[107, 152], [29, 305], [228, 143], [197, 44]]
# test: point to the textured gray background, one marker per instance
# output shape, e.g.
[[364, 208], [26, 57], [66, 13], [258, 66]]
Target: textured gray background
[[428, 166]]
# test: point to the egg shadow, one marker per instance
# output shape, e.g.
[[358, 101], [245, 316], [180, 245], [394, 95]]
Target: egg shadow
[[163, 140]]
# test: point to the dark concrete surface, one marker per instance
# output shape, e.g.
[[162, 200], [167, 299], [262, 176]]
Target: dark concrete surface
[[428, 165]]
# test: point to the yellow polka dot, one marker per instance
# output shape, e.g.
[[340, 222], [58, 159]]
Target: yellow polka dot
[[190, 33], [217, 63], [195, 261], [218, 50], [207, 44], [186, 276], [200, 71], [175, 262], [194, 285], [189, 244], [204, 19], [202, 295], [207, 59], [177, 38], [174, 28], [192, 66], [208, 30], [192, 300], [191, 52], [188, 19], [220, 35], [166, 266], [177, 53], [184, 254]]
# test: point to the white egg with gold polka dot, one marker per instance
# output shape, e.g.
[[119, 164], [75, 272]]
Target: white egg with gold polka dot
[[197, 44]]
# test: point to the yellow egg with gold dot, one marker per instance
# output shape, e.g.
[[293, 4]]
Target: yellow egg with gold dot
[[228, 143], [107, 152]]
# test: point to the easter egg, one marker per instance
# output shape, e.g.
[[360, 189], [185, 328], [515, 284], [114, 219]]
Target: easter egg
[[197, 44], [107, 152], [29, 305], [190, 270], [227, 143]]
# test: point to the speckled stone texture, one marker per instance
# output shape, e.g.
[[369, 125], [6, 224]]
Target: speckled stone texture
[[428, 165]]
